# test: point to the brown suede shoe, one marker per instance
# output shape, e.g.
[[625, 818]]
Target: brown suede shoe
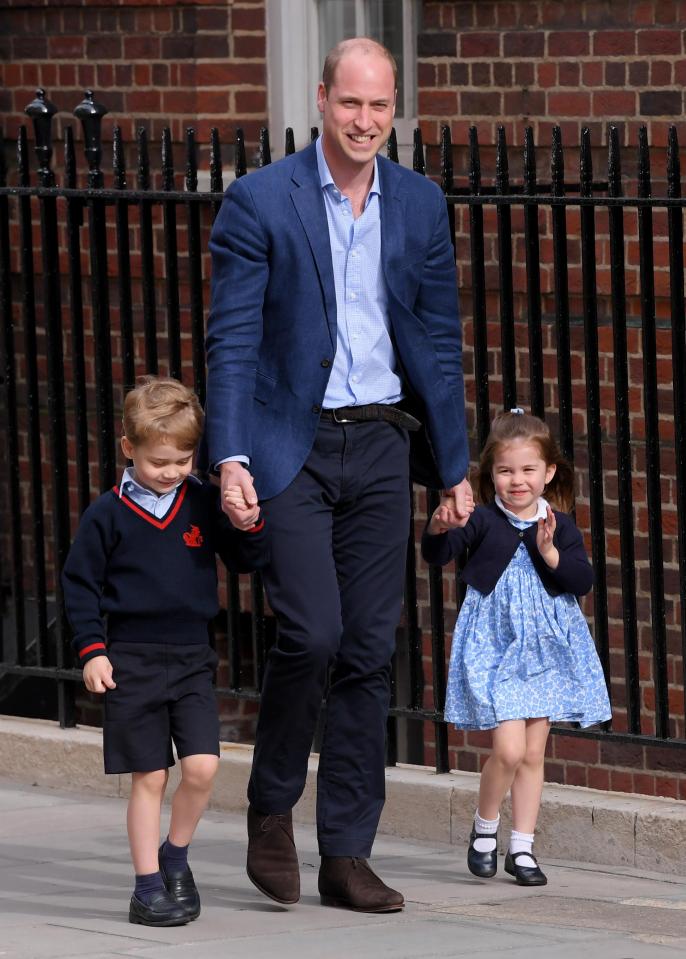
[[350, 883], [272, 858]]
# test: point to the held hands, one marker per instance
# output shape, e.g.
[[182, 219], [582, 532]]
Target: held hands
[[97, 675], [238, 497], [454, 509], [544, 539]]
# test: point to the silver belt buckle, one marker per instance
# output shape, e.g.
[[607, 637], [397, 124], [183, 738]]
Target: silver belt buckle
[[343, 419]]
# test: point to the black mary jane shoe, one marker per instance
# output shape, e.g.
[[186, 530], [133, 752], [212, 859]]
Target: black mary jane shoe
[[181, 888], [161, 910], [482, 864], [524, 875]]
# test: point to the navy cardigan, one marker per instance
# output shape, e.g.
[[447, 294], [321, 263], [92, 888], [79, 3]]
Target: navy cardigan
[[492, 542]]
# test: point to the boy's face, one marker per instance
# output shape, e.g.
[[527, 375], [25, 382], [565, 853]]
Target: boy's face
[[158, 465]]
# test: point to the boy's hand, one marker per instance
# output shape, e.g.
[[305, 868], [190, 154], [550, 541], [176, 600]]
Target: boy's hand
[[97, 675], [544, 539], [238, 497]]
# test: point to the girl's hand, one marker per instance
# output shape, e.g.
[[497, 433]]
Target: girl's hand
[[544, 539], [446, 516]]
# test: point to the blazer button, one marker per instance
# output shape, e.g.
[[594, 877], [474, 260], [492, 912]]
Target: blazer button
[[316, 408], [326, 364], [521, 534]]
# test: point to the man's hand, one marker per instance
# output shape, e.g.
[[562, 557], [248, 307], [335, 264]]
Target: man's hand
[[97, 675], [238, 497], [463, 499]]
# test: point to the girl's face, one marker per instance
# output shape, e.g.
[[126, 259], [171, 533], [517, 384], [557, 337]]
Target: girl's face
[[520, 474]]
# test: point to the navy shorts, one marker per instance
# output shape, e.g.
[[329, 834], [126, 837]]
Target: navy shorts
[[164, 693]]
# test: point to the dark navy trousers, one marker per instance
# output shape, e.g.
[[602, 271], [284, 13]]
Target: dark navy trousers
[[339, 534]]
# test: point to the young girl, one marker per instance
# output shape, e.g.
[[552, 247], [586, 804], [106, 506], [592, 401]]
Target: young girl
[[522, 655]]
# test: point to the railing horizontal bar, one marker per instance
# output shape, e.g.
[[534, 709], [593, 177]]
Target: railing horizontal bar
[[482, 199], [42, 672]]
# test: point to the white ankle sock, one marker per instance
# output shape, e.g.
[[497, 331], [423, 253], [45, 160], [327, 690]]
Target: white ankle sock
[[522, 842], [489, 826]]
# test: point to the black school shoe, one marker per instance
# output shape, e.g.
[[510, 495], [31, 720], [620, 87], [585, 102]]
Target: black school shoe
[[160, 911], [181, 888], [482, 864], [524, 875]]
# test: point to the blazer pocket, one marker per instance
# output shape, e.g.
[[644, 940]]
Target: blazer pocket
[[264, 387]]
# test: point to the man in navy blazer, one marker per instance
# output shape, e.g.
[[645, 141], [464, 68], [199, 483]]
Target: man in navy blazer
[[334, 312]]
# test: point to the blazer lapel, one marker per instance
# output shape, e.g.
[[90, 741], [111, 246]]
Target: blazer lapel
[[393, 221], [309, 205]]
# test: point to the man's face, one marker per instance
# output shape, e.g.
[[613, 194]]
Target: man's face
[[358, 111]]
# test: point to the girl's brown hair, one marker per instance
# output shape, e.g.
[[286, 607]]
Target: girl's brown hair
[[162, 409], [510, 426]]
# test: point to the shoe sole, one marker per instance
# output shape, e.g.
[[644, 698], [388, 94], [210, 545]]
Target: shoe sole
[[482, 875], [139, 921], [525, 882], [270, 895], [344, 904]]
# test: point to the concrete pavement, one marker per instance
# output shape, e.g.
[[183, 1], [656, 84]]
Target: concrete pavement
[[65, 880]]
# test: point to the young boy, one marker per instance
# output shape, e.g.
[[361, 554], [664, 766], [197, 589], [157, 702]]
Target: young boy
[[140, 588]]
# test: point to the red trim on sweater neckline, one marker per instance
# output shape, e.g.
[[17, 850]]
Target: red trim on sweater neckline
[[148, 517]]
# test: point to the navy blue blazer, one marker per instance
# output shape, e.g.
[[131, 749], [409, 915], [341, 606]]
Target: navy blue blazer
[[492, 542], [271, 333]]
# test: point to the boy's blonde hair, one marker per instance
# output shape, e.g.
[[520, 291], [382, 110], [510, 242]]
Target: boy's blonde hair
[[160, 408], [510, 426]]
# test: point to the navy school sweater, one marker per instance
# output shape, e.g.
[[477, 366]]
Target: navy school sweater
[[492, 542], [131, 577]]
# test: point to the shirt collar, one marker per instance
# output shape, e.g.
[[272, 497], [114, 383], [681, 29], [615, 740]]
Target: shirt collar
[[541, 511], [129, 477], [326, 179]]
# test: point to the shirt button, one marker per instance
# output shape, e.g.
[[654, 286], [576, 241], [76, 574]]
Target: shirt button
[[354, 254], [353, 296], [355, 379], [326, 364]]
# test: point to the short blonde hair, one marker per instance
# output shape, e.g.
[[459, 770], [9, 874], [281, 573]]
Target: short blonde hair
[[161, 408], [367, 46]]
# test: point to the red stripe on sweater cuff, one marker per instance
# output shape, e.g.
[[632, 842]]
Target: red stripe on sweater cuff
[[256, 529], [89, 649]]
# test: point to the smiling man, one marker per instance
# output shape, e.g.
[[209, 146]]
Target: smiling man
[[334, 310]]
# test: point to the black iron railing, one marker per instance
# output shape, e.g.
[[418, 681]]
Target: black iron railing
[[114, 285]]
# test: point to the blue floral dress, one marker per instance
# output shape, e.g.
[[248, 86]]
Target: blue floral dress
[[519, 653]]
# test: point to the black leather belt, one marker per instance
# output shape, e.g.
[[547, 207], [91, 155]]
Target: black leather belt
[[371, 412]]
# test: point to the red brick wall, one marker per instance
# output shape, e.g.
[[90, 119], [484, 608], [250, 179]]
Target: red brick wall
[[545, 62], [520, 63], [155, 63]]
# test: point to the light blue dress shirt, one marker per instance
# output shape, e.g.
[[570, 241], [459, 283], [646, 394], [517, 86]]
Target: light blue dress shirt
[[364, 368], [157, 504]]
